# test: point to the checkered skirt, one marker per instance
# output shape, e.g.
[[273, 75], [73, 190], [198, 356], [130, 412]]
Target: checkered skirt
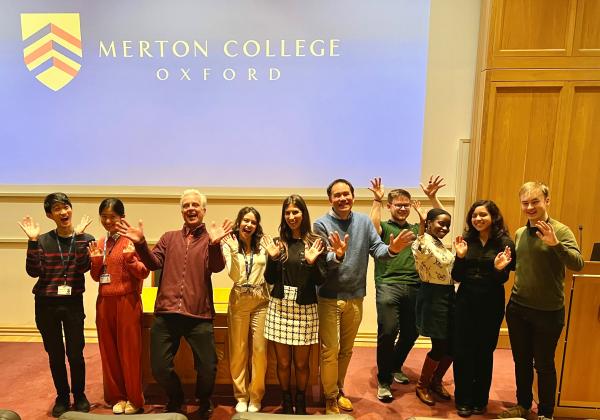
[[290, 323]]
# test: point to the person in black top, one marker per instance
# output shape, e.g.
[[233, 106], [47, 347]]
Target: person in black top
[[59, 259], [296, 265], [484, 257]]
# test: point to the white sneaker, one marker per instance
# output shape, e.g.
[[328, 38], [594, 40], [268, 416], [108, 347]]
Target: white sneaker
[[119, 408], [132, 409], [253, 407], [241, 407]]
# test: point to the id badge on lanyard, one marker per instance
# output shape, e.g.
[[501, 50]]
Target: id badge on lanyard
[[105, 277], [64, 289]]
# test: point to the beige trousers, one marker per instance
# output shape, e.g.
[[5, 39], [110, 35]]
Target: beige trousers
[[246, 323], [338, 325]]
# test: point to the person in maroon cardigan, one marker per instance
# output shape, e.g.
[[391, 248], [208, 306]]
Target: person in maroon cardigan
[[118, 269], [184, 303]]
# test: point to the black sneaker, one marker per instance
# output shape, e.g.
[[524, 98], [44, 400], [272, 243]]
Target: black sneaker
[[61, 406], [174, 407], [81, 403]]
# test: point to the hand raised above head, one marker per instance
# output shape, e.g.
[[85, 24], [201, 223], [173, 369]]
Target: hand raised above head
[[461, 247], [377, 189], [416, 204], [433, 185], [31, 229], [133, 233]]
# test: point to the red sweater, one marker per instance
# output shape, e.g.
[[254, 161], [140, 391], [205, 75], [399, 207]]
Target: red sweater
[[126, 270]]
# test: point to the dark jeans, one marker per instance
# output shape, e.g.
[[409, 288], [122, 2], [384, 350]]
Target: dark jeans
[[395, 318], [478, 317], [533, 336], [52, 316], [165, 337]]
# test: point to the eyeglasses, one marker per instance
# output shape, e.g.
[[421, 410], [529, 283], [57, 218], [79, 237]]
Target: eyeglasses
[[401, 205]]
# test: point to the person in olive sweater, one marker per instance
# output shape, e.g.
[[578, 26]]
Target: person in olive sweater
[[535, 314]]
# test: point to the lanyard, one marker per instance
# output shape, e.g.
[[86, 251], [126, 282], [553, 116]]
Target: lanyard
[[62, 258], [248, 265], [104, 254]]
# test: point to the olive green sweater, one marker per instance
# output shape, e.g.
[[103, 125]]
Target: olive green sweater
[[540, 272]]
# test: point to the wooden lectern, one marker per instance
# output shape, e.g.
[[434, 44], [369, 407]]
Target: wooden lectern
[[578, 350]]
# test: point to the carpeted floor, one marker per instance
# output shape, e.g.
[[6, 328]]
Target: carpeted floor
[[28, 388]]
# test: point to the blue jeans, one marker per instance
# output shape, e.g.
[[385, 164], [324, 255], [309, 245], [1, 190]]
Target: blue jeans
[[395, 319]]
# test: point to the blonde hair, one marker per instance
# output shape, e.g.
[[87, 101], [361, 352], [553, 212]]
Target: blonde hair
[[534, 185], [193, 191]]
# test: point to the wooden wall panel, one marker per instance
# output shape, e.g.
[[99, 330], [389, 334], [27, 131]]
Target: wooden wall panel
[[587, 28], [580, 195], [534, 27]]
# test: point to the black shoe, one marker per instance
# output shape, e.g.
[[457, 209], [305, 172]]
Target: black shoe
[[81, 403], [464, 410], [300, 403], [61, 406], [174, 407], [205, 409], [286, 403], [479, 409]]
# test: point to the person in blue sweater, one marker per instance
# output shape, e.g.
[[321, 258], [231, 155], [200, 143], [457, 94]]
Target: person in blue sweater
[[354, 238]]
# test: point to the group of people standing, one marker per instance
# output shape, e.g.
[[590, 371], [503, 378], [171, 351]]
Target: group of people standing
[[303, 287]]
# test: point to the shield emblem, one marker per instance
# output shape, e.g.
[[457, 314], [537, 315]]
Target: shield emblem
[[52, 50]]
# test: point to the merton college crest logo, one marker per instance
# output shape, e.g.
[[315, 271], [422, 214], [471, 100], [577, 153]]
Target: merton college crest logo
[[52, 50]]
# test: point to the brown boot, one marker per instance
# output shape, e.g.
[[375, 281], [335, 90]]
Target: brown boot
[[437, 387], [422, 390]]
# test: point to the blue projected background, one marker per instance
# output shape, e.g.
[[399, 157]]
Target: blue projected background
[[356, 114]]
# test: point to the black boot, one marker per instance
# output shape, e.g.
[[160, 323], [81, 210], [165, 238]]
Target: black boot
[[300, 403], [286, 403]]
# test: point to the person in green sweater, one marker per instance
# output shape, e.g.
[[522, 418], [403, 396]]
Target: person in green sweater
[[396, 285], [535, 313]]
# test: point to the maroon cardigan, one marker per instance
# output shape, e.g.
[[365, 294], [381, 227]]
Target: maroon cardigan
[[187, 260]]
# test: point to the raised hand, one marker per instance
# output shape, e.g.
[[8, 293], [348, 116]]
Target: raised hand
[[83, 224], [546, 233], [377, 189], [311, 253], [94, 249], [338, 245], [461, 247], [273, 249], [502, 259], [134, 234], [403, 240], [31, 229], [432, 186], [232, 242], [216, 233], [416, 204]]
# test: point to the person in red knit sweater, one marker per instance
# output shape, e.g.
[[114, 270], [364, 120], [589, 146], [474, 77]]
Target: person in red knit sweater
[[118, 269]]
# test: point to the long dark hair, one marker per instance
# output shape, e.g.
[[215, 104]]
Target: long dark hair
[[113, 204], [256, 236], [306, 234], [498, 227]]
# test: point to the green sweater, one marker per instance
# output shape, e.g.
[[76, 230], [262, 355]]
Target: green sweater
[[401, 268], [540, 273]]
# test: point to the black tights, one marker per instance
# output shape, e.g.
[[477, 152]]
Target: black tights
[[439, 349], [285, 353]]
